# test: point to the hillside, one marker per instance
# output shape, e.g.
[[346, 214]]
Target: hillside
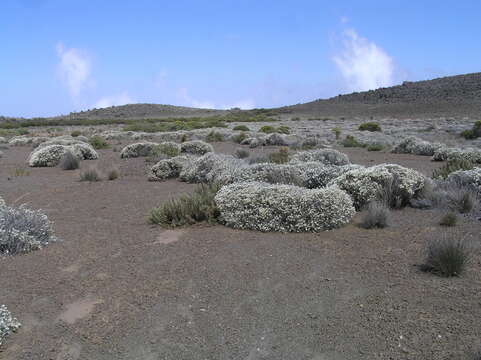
[[448, 96]]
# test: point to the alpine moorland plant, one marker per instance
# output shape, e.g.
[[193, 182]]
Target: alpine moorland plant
[[377, 216], [98, 142], [449, 219], [240, 128], [452, 166], [350, 141], [370, 126], [188, 209], [90, 175], [214, 136], [447, 256], [8, 324]]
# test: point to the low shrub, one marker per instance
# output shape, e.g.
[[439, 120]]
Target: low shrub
[[75, 133], [473, 133], [350, 141], [214, 136], [21, 172], [452, 166], [414, 145], [23, 230], [8, 324], [113, 174], [91, 175], [196, 147], [279, 157], [242, 153], [168, 168], [285, 208], [98, 142], [446, 256], [370, 126], [376, 216], [283, 129], [239, 137], [337, 132], [211, 167], [325, 156], [240, 128], [375, 147], [69, 161], [449, 219], [268, 129], [452, 196], [188, 209]]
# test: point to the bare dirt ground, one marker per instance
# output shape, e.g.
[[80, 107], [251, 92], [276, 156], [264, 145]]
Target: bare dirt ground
[[116, 287]]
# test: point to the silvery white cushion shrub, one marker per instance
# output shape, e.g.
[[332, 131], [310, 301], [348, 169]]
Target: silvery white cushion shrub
[[196, 147], [27, 140], [367, 184], [276, 139], [466, 177], [417, 146], [267, 207], [47, 156], [252, 142], [8, 324], [84, 151], [211, 167], [138, 150], [168, 168], [23, 230], [2, 140], [472, 155], [325, 156], [62, 140]]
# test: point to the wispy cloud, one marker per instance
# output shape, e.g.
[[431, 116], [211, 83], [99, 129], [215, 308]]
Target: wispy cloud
[[74, 68], [115, 100], [363, 64]]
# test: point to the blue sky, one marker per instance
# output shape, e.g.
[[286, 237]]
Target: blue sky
[[66, 55]]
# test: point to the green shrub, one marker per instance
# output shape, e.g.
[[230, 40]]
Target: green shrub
[[23, 132], [240, 128], [370, 126], [452, 166], [214, 136], [474, 133], [446, 257], [337, 132], [75, 133], [283, 129], [239, 137], [98, 142], [350, 141], [449, 219], [375, 147], [268, 129], [188, 209]]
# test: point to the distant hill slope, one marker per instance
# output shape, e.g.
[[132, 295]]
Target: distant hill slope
[[448, 96]]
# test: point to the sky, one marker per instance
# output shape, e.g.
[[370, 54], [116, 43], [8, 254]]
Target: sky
[[59, 56]]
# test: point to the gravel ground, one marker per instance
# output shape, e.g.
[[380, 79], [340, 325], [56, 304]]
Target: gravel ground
[[116, 287]]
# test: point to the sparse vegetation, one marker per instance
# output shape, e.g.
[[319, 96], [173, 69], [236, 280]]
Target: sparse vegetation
[[21, 172], [69, 161], [90, 175], [377, 216], [449, 219], [188, 209], [375, 147], [98, 142], [446, 256], [370, 126], [280, 157], [350, 141]]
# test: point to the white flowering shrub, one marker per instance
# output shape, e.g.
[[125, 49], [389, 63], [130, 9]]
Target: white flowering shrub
[[466, 177], [64, 140], [212, 167], [168, 168], [196, 147], [267, 207], [23, 230], [8, 324], [27, 140], [325, 156], [52, 154], [414, 145], [138, 150], [386, 180]]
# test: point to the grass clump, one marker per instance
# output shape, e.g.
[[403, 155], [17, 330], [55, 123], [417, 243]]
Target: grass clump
[[214, 136], [21, 172], [446, 257], [113, 174], [75, 133], [377, 216], [452, 166], [241, 128], [91, 175], [98, 142], [69, 162], [188, 209], [449, 219], [370, 126], [283, 129], [337, 132], [351, 141], [242, 154], [375, 147], [473, 133], [268, 129], [280, 157]]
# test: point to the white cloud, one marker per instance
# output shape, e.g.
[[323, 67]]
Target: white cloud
[[74, 69], [115, 100], [187, 100], [363, 64]]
